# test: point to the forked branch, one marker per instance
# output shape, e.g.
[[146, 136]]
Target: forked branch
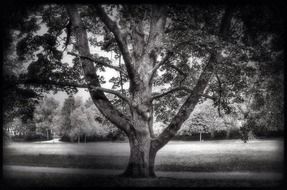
[[163, 61], [190, 103], [101, 101], [120, 38], [118, 94]]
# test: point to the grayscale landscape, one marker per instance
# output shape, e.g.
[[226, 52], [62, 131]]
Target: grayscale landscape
[[143, 95]]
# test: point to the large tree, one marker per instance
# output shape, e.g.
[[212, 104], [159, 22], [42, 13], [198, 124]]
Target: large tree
[[203, 51]]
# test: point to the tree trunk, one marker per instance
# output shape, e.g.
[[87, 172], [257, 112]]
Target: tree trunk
[[142, 157], [200, 136], [228, 133], [47, 135], [212, 134]]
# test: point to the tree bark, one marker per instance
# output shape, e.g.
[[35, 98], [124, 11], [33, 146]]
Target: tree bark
[[142, 157], [228, 133], [212, 134]]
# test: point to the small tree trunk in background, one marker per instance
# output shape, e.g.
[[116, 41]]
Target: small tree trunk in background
[[212, 134], [228, 133], [78, 139], [200, 136], [85, 138]]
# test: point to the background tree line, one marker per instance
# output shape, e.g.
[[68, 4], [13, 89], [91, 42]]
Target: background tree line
[[78, 121], [74, 121]]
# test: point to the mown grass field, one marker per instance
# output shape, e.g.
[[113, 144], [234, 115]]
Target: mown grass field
[[208, 156], [225, 155]]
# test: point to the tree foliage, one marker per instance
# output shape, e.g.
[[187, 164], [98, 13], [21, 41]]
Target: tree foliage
[[204, 119], [83, 121], [44, 114]]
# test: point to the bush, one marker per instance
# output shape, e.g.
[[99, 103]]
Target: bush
[[193, 137], [36, 137], [65, 138], [95, 138], [6, 138], [18, 138], [221, 134], [234, 133]]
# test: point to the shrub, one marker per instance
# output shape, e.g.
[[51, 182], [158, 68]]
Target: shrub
[[35, 137]]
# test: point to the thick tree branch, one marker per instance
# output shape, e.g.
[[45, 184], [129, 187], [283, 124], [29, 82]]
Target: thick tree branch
[[118, 94], [157, 24], [226, 22], [184, 88], [120, 120], [177, 69], [72, 84], [163, 61], [192, 100], [168, 55], [157, 96], [100, 62], [186, 108], [120, 39], [220, 92], [76, 85], [177, 28]]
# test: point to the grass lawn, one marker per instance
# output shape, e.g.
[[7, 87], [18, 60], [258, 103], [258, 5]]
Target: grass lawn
[[208, 156], [224, 155], [60, 180]]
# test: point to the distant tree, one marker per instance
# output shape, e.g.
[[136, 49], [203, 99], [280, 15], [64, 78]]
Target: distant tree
[[43, 116], [197, 126], [204, 119], [89, 102], [246, 129], [57, 121], [101, 127], [78, 102], [79, 123], [158, 127], [67, 109], [16, 127], [85, 121]]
